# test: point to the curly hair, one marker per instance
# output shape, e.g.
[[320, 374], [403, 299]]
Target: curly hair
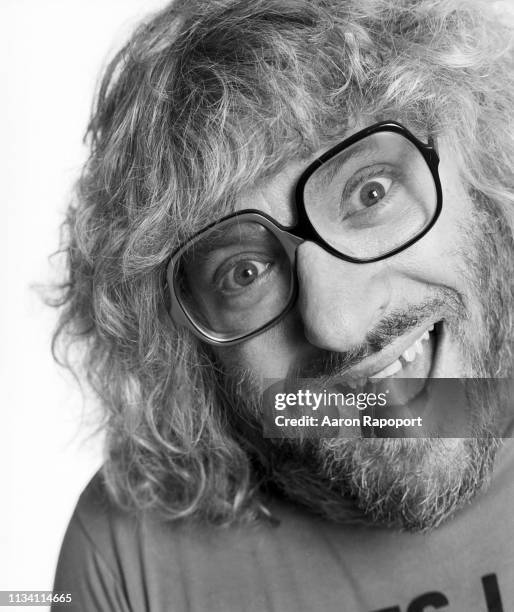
[[206, 99]]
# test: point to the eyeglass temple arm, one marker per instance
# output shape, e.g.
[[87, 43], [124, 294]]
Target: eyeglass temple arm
[[432, 142]]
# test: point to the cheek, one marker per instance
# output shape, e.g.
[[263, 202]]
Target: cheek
[[439, 257], [270, 354]]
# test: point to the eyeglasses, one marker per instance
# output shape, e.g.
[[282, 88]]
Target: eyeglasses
[[368, 198]]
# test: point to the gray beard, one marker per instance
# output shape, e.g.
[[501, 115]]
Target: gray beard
[[410, 484]]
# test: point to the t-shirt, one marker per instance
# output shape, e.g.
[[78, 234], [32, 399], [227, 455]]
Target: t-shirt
[[111, 560]]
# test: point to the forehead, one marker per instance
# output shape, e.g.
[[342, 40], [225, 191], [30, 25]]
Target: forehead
[[275, 195]]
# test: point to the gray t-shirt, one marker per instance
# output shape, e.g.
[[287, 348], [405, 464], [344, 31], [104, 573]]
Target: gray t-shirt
[[112, 561]]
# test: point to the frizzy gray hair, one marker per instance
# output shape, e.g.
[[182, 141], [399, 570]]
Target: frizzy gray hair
[[206, 99]]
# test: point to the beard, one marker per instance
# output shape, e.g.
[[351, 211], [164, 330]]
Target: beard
[[412, 484]]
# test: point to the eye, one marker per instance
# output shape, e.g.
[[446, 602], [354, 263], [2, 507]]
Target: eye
[[243, 274], [373, 191]]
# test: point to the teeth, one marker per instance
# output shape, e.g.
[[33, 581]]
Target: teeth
[[391, 369], [408, 355], [418, 347]]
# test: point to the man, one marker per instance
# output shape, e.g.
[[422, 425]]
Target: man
[[296, 191]]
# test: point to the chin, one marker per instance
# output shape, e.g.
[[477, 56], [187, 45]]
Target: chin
[[406, 484], [410, 484]]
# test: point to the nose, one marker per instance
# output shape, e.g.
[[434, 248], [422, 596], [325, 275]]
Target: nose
[[339, 302]]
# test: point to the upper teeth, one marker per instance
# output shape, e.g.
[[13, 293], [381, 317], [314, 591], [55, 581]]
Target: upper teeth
[[409, 354]]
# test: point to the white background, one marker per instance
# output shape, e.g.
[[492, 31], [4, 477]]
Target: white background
[[51, 52]]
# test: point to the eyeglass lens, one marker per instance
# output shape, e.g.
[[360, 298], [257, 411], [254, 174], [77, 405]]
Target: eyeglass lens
[[372, 197], [234, 279]]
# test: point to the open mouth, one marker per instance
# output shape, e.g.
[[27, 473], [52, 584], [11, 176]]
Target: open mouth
[[409, 364], [415, 361], [394, 384], [404, 381]]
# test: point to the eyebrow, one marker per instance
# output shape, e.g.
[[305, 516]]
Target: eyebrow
[[226, 236], [328, 170]]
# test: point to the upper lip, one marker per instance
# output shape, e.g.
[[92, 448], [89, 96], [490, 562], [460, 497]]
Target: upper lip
[[374, 363]]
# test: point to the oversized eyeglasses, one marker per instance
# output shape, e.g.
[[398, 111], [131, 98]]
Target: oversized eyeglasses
[[368, 198]]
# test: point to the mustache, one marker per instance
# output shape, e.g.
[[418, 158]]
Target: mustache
[[329, 364]]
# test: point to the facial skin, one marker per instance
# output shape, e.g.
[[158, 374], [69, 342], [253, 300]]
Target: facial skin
[[358, 319], [340, 302]]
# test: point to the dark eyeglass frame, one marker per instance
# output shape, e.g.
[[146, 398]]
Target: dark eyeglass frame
[[291, 237]]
